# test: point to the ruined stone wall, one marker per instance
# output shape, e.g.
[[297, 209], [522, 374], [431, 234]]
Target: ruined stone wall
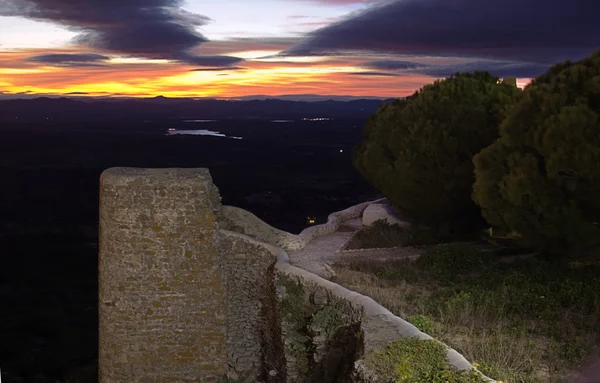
[[254, 346], [321, 332], [241, 221], [162, 289], [183, 300]]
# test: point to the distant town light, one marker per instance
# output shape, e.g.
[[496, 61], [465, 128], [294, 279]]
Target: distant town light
[[317, 119], [341, 150]]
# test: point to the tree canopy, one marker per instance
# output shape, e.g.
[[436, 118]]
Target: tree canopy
[[418, 152], [541, 178]]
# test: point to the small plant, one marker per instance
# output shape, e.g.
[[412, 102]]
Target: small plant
[[422, 322], [294, 313], [329, 319], [291, 306]]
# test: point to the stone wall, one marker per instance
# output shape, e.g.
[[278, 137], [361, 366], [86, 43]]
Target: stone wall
[[183, 299], [162, 292], [241, 221], [377, 326], [254, 345], [321, 333]]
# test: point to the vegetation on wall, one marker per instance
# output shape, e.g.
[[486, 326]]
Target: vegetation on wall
[[541, 178], [273, 358], [418, 152], [292, 308], [412, 360], [321, 338]]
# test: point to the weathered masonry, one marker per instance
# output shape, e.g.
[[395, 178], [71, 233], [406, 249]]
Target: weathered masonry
[[177, 301], [192, 291]]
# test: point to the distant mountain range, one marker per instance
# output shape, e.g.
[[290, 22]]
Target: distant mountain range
[[288, 97], [79, 109]]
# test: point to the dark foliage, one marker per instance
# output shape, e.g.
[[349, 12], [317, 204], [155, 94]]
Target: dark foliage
[[541, 178], [418, 152]]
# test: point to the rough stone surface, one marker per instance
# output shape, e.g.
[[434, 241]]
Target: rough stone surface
[[241, 221], [184, 299], [162, 290], [333, 223], [251, 316], [385, 212], [320, 332]]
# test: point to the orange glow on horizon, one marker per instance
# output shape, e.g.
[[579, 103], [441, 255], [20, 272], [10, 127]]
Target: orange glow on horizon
[[148, 78]]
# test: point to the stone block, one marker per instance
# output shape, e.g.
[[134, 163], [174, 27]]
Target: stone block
[[388, 213]]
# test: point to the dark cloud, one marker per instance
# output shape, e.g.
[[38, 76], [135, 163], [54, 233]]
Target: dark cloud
[[156, 29], [80, 59], [213, 60], [498, 69], [266, 41], [217, 69], [392, 64], [342, 2], [76, 93], [545, 31], [373, 74]]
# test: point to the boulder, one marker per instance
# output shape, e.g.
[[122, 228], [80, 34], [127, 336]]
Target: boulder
[[388, 213]]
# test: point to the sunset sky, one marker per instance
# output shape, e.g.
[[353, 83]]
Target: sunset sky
[[230, 48]]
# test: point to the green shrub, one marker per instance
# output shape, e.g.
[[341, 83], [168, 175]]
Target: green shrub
[[541, 178], [418, 152], [450, 375], [448, 261], [383, 235], [422, 322], [412, 360]]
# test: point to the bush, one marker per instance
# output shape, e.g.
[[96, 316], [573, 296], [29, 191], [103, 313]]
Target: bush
[[384, 235], [412, 360], [418, 152], [422, 322], [541, 178], [450, 261]]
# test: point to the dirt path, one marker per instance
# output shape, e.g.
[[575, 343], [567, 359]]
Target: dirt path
[[321, 252]]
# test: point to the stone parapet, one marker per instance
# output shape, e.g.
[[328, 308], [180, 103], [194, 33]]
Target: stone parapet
[[162, 289]]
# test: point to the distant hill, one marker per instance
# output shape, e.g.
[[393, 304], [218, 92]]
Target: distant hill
[[307, 97], [162, 107], [287, 97]]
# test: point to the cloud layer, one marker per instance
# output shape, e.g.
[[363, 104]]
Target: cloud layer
[[496, 68], [543, 31], [155, 29], [77, 59]]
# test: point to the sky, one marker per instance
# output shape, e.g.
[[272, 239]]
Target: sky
[[233, 48]]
